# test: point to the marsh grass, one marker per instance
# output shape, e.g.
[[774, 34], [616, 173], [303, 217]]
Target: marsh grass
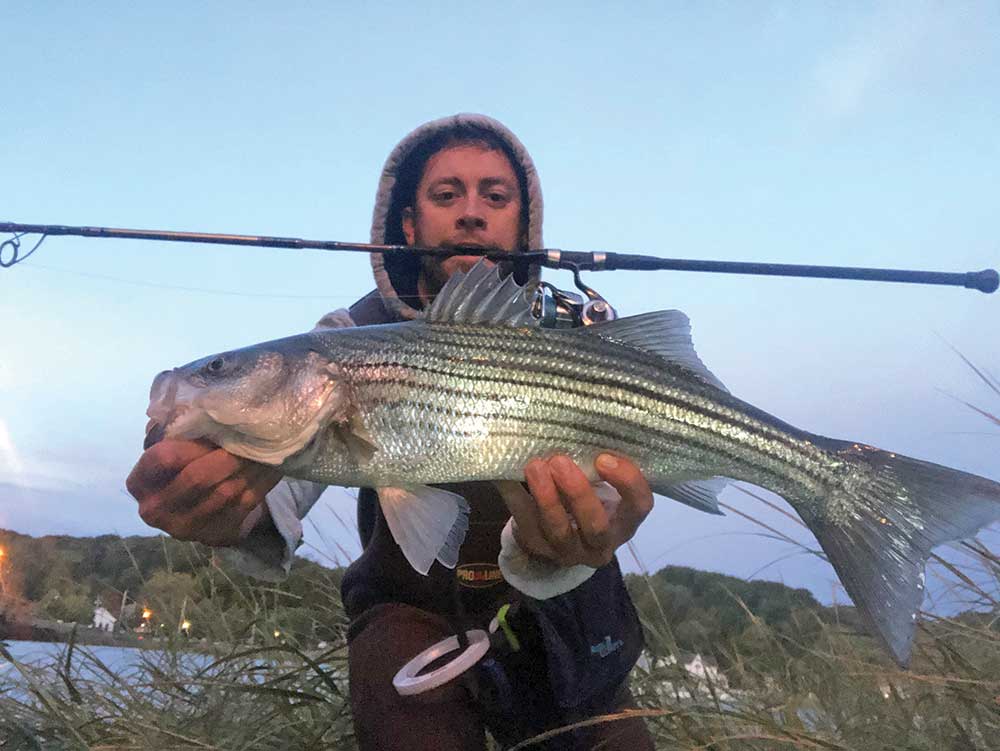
[[265, 697], [822, 684]]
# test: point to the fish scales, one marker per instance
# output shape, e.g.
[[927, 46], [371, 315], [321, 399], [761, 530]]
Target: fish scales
[[468, 383]]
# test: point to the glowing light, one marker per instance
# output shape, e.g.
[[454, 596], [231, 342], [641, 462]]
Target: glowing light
[[276, 633], [185, 625], [147, 614]]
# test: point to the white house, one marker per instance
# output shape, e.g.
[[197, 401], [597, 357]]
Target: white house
[[103, 619], [705, 669]]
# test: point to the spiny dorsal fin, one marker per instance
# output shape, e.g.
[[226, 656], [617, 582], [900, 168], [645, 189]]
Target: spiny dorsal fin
[[666, 333], [482, 297]]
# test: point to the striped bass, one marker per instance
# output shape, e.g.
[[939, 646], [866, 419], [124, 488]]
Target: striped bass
[[477, 389]]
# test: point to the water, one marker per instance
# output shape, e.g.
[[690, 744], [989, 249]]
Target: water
[[44, 653], [45, 659]]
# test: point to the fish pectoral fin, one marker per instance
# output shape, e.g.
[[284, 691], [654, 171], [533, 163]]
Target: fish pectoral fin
[[666, 333], [427, 523], [700, 494], [359, 442]]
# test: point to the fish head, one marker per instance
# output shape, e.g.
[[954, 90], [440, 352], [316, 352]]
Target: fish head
[[264, 402]]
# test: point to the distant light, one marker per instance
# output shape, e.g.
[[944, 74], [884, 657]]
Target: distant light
[[276, 633], [185, 625], [147, 614]]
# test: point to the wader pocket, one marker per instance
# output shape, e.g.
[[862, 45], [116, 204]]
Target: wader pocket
[[591, 637]]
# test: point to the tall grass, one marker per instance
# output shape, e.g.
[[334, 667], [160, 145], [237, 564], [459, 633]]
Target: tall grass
[[821, 685]]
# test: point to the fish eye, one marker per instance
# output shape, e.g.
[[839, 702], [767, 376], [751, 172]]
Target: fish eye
[[216, 365]]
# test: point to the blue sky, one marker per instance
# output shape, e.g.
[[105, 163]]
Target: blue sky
[[851, 134]]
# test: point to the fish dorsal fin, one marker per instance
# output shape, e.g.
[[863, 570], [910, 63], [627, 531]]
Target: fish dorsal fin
[[666, 333], [482, 297]]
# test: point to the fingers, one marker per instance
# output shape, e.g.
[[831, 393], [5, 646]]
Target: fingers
[[218, 519], [568, 513], [563, 518], [527, 520], [202, 476], [636, 495], [194, 490], [553, 521], [159, 464], [582, 501]]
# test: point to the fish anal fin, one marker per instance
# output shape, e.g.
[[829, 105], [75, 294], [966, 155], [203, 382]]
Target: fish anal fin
[[698, 494]]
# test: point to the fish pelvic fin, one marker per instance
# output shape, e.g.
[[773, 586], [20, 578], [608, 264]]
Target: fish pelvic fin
[[427, 523], [879, 527]]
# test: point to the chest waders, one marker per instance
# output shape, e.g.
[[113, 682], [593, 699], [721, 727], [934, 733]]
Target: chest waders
[[540, 664]]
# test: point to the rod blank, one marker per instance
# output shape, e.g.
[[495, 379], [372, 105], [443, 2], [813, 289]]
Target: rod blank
[[985, 281]]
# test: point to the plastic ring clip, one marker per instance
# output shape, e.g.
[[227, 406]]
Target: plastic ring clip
[[408, 680]]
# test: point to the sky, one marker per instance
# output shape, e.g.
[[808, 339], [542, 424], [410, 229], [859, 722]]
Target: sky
[[817, 133]]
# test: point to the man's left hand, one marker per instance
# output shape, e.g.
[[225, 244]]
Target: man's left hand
[[563, 520]]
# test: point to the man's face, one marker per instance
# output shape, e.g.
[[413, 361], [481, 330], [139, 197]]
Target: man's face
[[468, 195]]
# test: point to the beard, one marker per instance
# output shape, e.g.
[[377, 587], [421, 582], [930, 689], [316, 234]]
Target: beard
[[437, 270]]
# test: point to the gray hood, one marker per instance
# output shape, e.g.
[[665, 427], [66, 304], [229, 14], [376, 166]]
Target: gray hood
[[397, 280]]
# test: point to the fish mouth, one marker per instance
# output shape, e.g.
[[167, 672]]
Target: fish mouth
[[164, 411], [182, 408], [155, 432], [162, 395]]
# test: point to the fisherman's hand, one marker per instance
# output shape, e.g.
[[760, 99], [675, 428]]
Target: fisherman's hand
[[194, 490], [561, 495]]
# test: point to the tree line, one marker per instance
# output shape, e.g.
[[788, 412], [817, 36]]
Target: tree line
[[61, 578]]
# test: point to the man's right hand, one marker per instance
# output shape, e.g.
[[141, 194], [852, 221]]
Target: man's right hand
[[194, 490]]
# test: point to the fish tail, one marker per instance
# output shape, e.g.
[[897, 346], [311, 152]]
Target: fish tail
[[879, 525]]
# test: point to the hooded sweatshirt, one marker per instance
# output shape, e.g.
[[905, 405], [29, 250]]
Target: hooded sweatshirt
[[382, 574]]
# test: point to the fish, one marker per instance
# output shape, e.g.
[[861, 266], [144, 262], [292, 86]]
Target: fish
[[477, 388]]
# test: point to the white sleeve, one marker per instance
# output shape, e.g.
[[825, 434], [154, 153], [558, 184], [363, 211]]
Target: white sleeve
[[270, 558], [533, 576], [537, 577]]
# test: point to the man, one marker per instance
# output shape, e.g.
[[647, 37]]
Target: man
[[459, 181]]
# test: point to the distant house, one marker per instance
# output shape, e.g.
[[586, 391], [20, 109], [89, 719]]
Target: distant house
[[103, 619], [701, 670], [705, 669]]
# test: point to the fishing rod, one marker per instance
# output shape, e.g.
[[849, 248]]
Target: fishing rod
[[985, 281]]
